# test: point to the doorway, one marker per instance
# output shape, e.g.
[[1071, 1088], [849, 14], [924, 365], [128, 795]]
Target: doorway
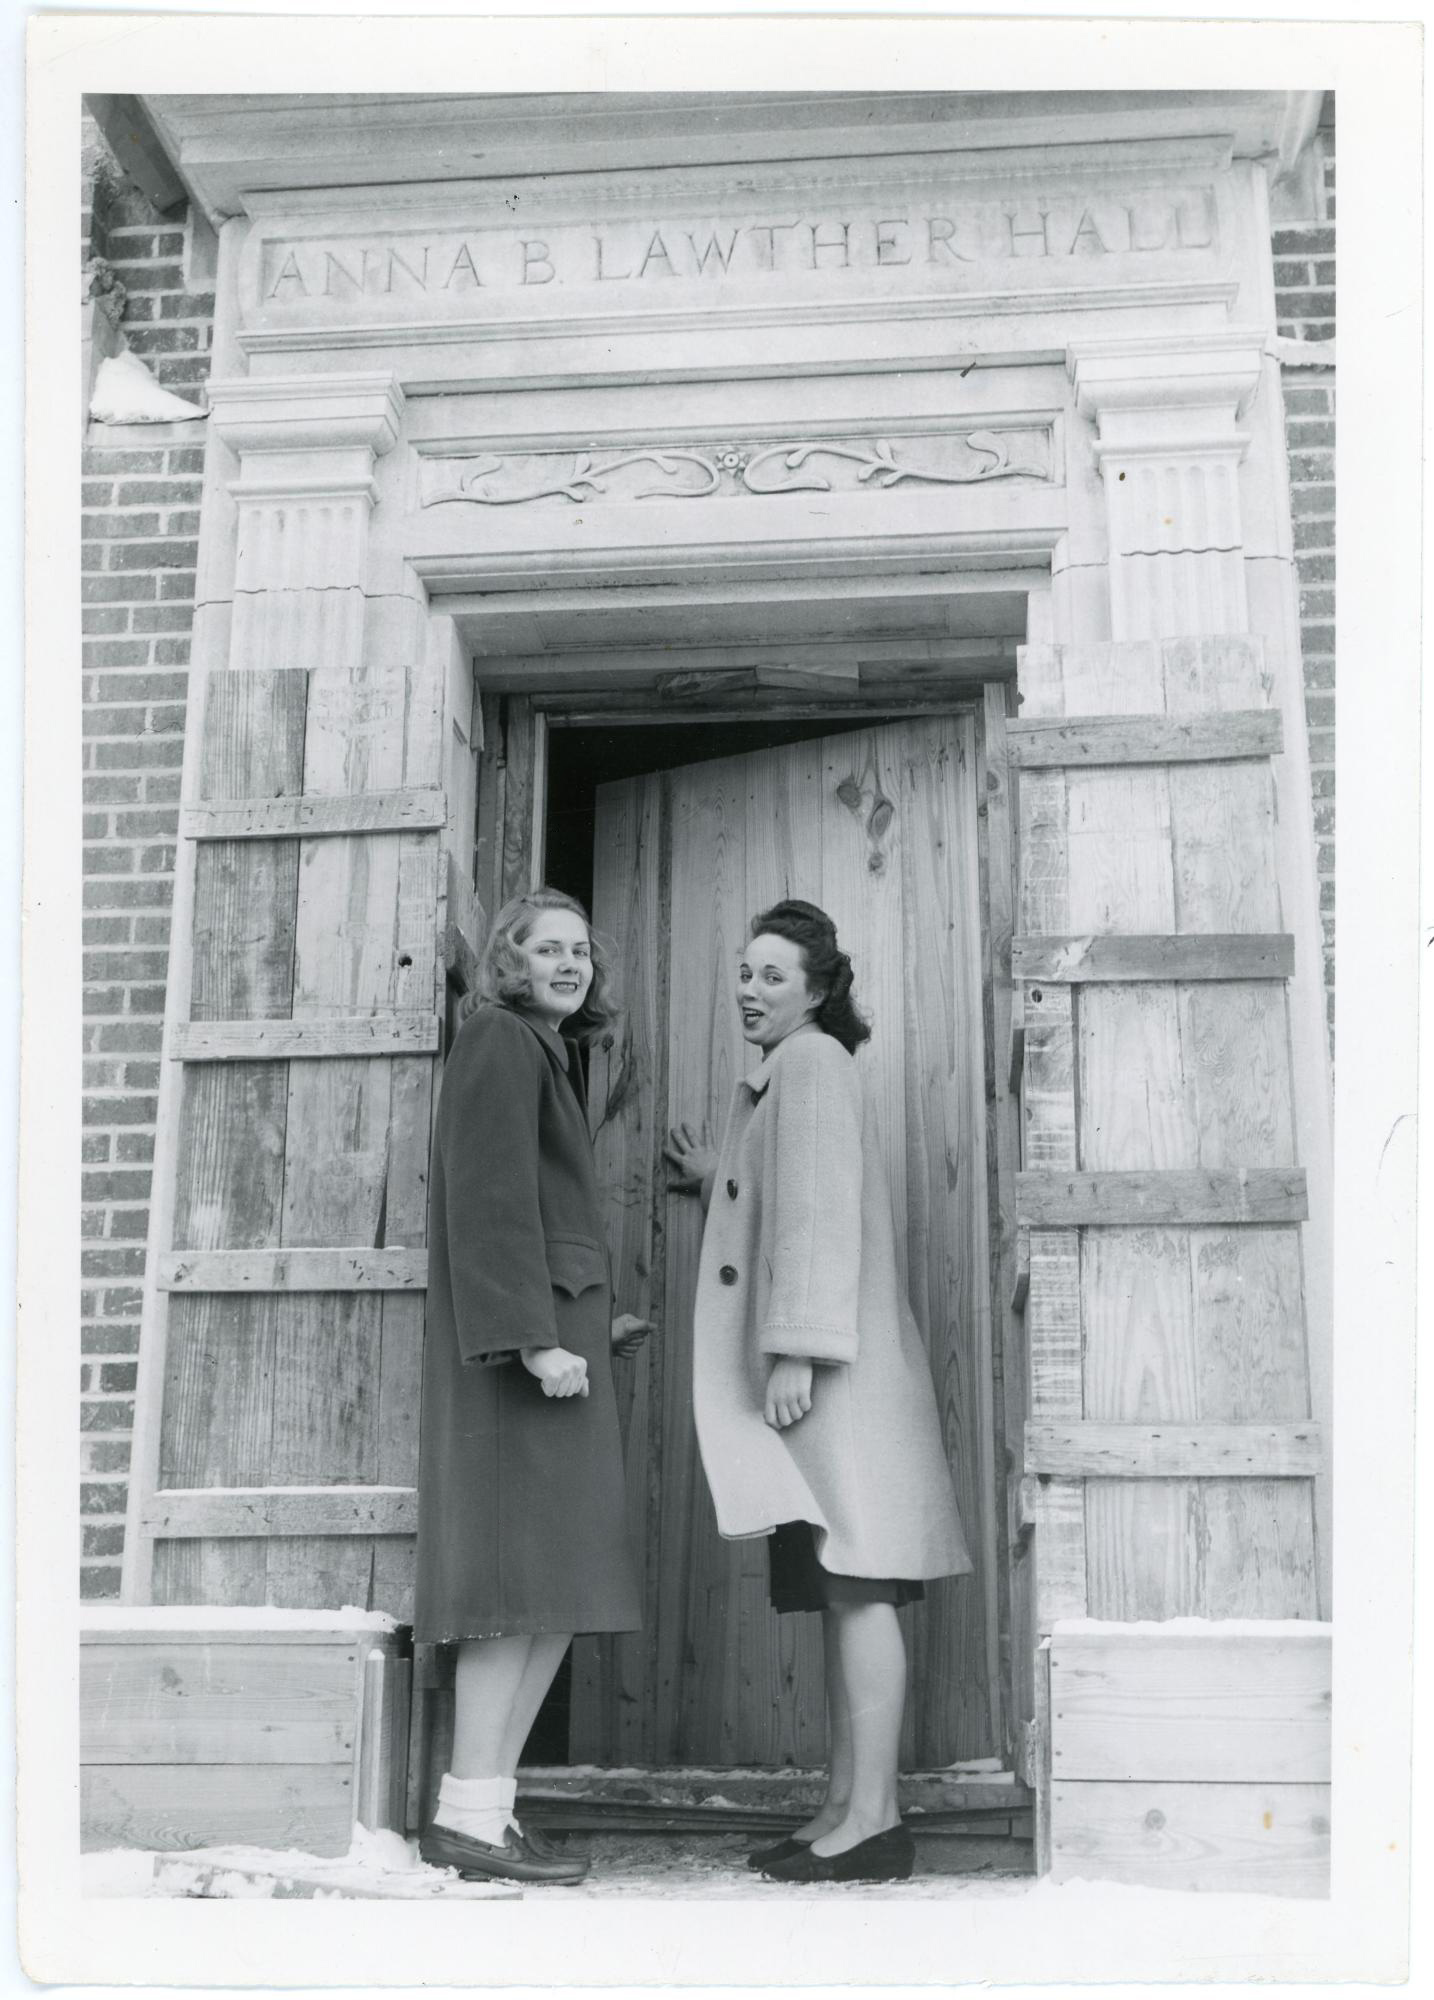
[[674, 834]]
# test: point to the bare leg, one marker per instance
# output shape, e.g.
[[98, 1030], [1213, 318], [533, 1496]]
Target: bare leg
[[833, 1809], [872, 1654], [545, 1656], [486, 1687]]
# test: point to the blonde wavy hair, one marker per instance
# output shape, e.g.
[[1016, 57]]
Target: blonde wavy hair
[[502, 977]]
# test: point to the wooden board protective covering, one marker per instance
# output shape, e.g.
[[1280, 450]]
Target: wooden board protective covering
[[1263, 1839], [169, 1806]]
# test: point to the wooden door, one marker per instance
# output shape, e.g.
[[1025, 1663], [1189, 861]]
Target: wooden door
[[878, 825]]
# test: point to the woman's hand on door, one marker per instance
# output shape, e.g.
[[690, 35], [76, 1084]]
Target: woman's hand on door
[[692, 1155], [561, 1373], [629, 1332], [789, 1392]]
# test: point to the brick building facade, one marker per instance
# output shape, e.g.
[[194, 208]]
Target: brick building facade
[[140, 497]]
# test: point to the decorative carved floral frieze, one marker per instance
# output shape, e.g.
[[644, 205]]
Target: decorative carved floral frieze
[[730, 471]]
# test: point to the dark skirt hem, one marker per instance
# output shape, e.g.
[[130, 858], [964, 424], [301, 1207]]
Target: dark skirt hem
[[796, 1580]]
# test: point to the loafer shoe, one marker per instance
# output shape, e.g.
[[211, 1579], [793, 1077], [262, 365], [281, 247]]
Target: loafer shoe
[[886, 1857], [508, 1860], [782, 1851], [546, 1848]]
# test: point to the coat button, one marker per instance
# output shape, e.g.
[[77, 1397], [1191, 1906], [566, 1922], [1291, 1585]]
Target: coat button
[[728, 1274], [732, 1190]]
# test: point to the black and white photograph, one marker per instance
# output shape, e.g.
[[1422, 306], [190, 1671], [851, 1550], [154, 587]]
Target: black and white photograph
[[706, 1269]]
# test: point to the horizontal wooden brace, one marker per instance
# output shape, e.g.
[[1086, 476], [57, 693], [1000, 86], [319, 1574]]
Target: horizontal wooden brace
[[1050, 742], [1079, 1450], [282, 1510], [1174, 1195], [306, 817], [329, 1035], [1212, 955], [356, 1270]]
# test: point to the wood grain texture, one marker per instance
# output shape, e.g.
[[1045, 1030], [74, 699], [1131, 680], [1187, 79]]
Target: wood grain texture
[[1213, 1709], [175, 1806], [277, 1041], [1256, 1194], [220, 1703], [311, 1270], [1224, 956], [258, 1510], [1201, 1548], [1071, 741], [1257, 1838], [1059, 1539], [1091, 1450], [1053, 1323], [1138, 1310], [299, 818]]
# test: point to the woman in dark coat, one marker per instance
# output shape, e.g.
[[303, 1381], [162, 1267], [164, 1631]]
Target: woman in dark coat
[[521, 1532]]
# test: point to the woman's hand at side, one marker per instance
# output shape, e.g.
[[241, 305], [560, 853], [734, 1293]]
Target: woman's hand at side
[[561, 1373], [692, 1157], [789, 1392], [629, 1332]]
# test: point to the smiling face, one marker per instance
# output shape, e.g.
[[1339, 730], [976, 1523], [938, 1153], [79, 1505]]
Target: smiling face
[[559, 957], [773, 996]]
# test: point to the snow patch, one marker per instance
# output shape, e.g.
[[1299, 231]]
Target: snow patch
[[230, 1618], [1210, 1628], [125, 392]]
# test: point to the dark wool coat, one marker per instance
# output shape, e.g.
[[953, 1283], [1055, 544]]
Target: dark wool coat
[[799, 1258], [520, 1495]]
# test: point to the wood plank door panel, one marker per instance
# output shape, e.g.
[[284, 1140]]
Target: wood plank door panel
[[879, 826]]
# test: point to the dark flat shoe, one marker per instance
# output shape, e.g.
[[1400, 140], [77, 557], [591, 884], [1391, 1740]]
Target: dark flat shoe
[[886, 1857], [782, 1851], [508, 1860]]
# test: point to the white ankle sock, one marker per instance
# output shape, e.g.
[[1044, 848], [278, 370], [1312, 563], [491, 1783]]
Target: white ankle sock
[[508, 1798], [474, 1806]]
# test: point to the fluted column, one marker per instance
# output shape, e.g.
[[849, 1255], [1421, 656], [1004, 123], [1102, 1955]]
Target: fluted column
[[1169, 444]]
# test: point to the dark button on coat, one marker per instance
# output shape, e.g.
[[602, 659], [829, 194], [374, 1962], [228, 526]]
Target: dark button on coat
[[520, 1495]]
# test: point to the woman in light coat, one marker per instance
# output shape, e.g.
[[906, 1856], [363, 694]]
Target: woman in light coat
[[814, 1405]]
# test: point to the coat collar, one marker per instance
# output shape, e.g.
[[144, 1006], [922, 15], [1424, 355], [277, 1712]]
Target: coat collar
[[757, 1084], [549, 1037]]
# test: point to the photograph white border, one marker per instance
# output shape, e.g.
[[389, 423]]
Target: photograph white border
[[1051, 1933]]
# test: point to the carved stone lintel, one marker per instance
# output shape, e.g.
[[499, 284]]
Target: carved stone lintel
[[740, 469]]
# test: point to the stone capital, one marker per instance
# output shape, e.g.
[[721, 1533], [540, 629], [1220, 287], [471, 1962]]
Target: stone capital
[[307, 413], [1190, 388]]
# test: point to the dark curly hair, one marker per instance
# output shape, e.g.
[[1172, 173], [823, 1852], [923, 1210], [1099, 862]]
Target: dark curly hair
[[827, 967], [502, 977]]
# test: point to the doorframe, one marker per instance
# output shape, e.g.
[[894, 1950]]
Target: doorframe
[[508, 856]]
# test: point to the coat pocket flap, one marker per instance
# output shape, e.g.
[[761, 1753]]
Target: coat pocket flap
[[575, 1267]]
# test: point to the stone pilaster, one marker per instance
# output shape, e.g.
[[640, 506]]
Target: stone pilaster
[[1169, 444], [305, 489]]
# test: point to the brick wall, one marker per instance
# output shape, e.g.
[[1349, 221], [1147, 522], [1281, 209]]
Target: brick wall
[[1304, 304], [140, 499]]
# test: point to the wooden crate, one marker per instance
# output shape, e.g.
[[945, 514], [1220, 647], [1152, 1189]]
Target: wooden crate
[[203, 1728], [1192, 1755]]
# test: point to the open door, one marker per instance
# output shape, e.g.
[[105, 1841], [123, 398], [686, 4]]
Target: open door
[[878, 825]]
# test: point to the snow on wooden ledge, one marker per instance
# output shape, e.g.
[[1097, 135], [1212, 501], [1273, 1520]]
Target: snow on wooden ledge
[[246, 1618], [1206, 1628]]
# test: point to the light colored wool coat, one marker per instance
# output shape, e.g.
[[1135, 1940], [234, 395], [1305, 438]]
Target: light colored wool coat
[[799, 1218]]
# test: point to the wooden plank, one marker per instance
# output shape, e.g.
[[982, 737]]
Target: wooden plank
[[1039, 1754], [277, 1510], [1048, 1084], [1058, 1506], [1174, 1451], [1261, 1839], [1048, 742], [230, 1702], [1200, 1707], [1139, 1317], [310, 817], [1054, 1335], [169, 1806], [1230, 955], [980, 1786], [612, 1710], [276, 1041], [312, 1270], [1241, 1194]]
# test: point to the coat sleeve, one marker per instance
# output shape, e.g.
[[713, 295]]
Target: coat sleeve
[[812, 1307], [488, 1136]]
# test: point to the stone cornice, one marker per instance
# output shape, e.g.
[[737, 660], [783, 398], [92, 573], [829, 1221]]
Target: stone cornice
[[1214, 374]]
